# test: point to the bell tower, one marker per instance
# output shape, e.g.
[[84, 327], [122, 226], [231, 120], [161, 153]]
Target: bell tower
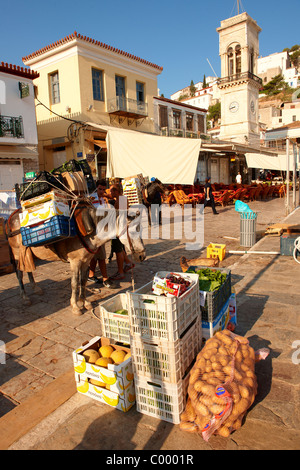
[[239, 85]]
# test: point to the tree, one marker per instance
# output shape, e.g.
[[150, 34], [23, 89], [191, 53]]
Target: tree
[[204, 82], [192, 88], [274, 86], [214, 113]]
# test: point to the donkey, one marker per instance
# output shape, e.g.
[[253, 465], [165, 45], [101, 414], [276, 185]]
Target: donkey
[[78, 251]]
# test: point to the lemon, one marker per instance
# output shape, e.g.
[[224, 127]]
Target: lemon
[[91, 356], [106, 351], [128, 355], [111, 401], [103, 361], [118, 356], [80, 369], [83, 388], [108, 380]]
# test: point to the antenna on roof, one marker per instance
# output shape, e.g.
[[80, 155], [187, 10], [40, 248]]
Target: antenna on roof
[[212, 68]]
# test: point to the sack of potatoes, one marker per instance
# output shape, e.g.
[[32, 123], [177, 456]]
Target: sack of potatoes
[[222, 386]]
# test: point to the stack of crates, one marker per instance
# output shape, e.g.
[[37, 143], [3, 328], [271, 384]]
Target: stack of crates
[[132, 189], [46, 218], [165, 338]]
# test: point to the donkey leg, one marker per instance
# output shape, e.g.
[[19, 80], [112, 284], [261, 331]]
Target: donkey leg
[[74, 285], [36, 289], [84, 272], [25, 299]]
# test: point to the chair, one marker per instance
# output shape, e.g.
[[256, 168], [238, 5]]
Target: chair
[[242, 194], [271, 192], [234, 194], [249, 195], [223, 199], [265, 192], [258, 192], [181, 198]]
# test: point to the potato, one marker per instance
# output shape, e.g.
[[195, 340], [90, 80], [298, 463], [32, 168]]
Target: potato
[[239, 356], [213, 380], [189, 427], [223, 351], [212, 343], [223, 431], [244, 391], [202, 409], [216, 366], [223, 359], [206, 400], [198, 386], [208, 366], [208, 390], [216, 409], [194, 376], [207, 353]]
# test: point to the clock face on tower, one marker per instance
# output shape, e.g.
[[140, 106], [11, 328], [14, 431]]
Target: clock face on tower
[[234, 107]]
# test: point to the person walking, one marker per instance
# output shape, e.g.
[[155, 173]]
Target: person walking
[[100, 256], [123, 261], [209, 197]]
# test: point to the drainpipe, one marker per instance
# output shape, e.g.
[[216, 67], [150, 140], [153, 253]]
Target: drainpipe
[[294, 175], [287, 176]]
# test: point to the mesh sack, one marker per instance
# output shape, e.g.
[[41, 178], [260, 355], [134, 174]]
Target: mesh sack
[[222, 386]]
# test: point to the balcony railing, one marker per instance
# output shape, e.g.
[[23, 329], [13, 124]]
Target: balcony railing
[[127, 107], [239, 76], [11, 126], [173, 132]]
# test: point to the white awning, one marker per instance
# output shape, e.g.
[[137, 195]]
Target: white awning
[[18, 152], [170, 159], [257, 160]]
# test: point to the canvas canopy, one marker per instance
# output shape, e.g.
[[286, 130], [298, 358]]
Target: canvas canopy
[[265, 162], [170, 159]]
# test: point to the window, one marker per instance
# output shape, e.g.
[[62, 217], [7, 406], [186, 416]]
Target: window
[[200, 123], [177, 119], [238, 59], [140, 95], [294, 118], [189, 122], [163, 116], [54, 88], [120, 92], [97, 80], [234, 60]]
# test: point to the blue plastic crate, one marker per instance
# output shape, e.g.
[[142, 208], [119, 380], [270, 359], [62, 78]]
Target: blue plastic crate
[[54, 229]]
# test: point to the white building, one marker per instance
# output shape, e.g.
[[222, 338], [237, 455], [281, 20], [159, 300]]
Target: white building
[[278, 63], [198, 87], [18, 129], [178, 119]]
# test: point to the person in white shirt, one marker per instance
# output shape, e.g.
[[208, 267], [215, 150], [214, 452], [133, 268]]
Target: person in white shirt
[[100, 257], [238, 178]]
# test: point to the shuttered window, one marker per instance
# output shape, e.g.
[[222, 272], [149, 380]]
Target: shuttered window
[[163, 116]]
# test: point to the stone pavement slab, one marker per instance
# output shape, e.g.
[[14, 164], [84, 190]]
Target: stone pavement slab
[[266, 316]]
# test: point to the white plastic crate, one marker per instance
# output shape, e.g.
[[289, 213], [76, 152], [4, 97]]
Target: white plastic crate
[[114, 325], [166, 361], [155, 317], [161, 400]]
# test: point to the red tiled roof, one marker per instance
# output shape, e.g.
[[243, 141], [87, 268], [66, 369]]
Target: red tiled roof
[[291, 125], [76, 35], [19, 71]]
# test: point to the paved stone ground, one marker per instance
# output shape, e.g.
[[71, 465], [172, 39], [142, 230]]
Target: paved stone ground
[[40, 339]]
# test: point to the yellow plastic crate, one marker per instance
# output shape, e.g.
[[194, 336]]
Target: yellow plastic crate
[[216, 251]]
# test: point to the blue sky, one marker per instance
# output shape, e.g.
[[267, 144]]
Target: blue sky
[[178, 35]]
